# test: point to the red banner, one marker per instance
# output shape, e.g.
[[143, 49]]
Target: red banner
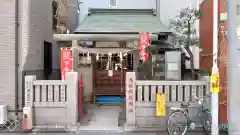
[[144, 42], [66, 61]]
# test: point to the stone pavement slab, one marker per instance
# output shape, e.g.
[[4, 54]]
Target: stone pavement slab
[[106, 133]]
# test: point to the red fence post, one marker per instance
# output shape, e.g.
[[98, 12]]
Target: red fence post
[[80, 96]]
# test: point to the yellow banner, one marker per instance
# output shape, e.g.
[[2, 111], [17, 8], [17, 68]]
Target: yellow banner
[[160, 104], [215, 83]]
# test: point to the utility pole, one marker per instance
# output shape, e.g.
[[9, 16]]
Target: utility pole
[[233, 10], [215, 71]]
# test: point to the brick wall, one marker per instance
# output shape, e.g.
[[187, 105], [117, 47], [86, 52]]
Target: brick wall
[[206, 40], [35, 26], [206, 34], [7, 53], [223, 64]]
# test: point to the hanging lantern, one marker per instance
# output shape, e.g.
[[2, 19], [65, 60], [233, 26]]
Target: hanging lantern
[[125, 62], [84, 59], [109, 61], [97, 57], [109, 54], [121, 56], [88, 56]]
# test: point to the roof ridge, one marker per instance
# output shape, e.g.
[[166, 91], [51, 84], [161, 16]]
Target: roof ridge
[[121, 11]]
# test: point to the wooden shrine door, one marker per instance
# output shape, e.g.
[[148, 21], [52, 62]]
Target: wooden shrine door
[[106, 83]]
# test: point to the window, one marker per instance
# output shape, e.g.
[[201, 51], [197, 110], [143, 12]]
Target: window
[[238, 9], [159, 66], [47, 59], [112, 3]]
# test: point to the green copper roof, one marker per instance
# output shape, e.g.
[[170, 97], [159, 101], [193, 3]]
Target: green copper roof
[[121, 21]]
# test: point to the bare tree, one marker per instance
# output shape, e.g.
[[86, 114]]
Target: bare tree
[[185, 33]]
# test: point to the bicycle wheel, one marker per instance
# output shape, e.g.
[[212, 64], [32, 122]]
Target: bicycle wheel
[[177, 123], [206, 122]]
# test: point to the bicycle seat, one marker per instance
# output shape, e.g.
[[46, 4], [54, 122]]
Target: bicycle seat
[[185, 104]]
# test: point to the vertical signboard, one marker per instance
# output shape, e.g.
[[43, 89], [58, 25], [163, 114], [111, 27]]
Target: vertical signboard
[[130, 98], [66, 61], [144, 42], [130, 95], [160, 104]]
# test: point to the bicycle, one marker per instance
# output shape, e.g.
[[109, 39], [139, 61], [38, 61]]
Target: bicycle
[[187, 122]]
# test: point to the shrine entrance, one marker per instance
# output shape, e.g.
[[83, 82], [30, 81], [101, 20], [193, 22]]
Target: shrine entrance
[[115, 36], [109, 75], [109, 67]]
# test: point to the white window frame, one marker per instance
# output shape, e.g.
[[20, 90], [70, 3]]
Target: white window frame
[[111, 6]]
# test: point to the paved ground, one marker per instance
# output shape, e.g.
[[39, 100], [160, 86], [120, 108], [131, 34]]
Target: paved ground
[[105, 133], [94, 122], [101, 118]]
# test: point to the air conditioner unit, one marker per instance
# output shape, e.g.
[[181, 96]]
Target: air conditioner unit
[[3, 114]]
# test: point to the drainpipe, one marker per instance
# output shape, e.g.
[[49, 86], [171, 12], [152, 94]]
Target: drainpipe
[[158, 8], [215, 70], [16, 57]]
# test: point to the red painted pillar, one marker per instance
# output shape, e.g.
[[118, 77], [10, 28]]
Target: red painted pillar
[[80, 96]]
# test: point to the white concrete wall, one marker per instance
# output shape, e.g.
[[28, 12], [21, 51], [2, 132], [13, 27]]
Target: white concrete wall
[[35, 28], [40, 30]]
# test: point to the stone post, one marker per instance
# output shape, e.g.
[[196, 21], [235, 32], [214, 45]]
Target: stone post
[[130, 100], [72, 98], [29, 90]]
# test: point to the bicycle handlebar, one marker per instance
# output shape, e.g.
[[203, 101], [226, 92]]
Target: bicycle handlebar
[[194, 97], [199, 100]]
